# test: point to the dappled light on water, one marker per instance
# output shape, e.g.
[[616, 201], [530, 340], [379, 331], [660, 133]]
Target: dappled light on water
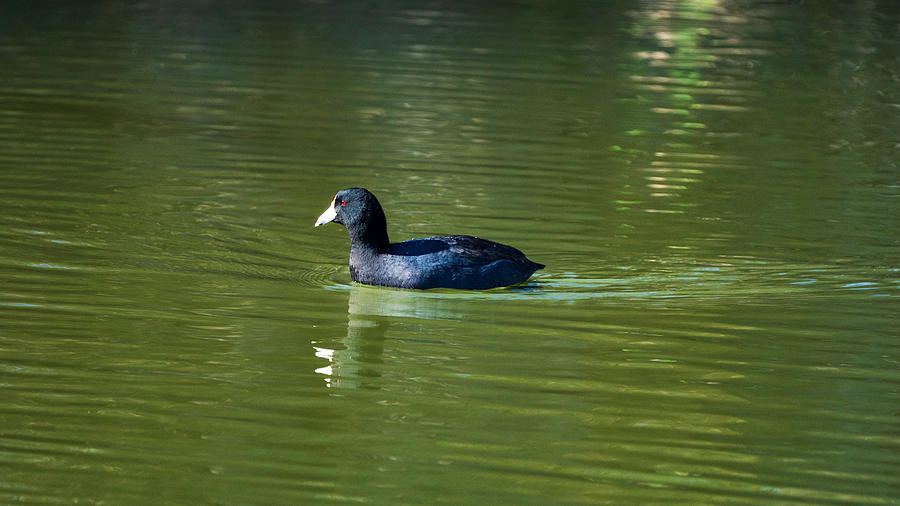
[[712, 186]]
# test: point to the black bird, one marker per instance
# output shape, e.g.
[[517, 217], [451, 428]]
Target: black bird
[[451, 261]]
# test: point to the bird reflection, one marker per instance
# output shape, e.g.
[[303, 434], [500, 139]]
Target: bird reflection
[[371, 311], [350, 366]]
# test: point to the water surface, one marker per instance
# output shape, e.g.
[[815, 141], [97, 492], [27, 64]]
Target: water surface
[[712, 185]]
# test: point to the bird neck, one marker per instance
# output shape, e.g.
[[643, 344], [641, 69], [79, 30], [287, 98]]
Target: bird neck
[[370, 238]]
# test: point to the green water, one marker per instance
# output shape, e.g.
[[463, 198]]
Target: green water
[[713, 187]]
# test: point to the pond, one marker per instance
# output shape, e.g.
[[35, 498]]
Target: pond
[[713, 186]]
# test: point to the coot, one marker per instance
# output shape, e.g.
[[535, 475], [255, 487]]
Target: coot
[[451, 261]]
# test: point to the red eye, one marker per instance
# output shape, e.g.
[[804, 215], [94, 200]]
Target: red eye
[[343, 202]]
